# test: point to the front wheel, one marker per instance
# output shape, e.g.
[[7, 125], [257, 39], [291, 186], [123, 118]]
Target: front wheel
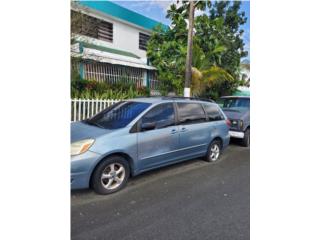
[[246, 138], [214, 151], [111, 175]]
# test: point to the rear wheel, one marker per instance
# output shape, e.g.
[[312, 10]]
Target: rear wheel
[[214, 151], [111, 175], [246, 138]]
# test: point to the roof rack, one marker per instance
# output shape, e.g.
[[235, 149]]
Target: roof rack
[[179, 97], [190, 98]]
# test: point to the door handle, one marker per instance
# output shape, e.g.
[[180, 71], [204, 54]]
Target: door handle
[[173, 131], [183, 129]]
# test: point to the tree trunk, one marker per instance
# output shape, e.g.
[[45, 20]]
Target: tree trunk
[[188, 75]]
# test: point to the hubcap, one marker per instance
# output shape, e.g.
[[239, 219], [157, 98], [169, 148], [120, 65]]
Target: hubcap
[[215, 152], [112, 176]]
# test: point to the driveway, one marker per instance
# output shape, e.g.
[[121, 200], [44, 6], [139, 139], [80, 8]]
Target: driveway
[[191, 200]]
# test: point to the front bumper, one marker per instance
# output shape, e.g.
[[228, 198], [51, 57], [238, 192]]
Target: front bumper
[[235, 134], [81, 168]]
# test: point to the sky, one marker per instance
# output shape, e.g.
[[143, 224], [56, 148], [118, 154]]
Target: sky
[[157, 10]]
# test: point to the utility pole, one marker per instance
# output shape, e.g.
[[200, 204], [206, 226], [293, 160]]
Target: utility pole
[[188, 76]]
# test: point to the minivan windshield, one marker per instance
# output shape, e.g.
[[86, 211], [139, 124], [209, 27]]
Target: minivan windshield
[[234, 102], [118, 115]]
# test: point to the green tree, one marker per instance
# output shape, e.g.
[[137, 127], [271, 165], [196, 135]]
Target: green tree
[[231, 18], [217, 45], [206, 76]]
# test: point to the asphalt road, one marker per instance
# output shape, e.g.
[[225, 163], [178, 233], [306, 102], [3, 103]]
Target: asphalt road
[[191, 200]]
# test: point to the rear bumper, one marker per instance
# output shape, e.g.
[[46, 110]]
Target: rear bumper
[[235, 134], [226, 141]]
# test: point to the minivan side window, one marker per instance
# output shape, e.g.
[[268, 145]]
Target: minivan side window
[[191, 113], [213, 112], [162, 115]]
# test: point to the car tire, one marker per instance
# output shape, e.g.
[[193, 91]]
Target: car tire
[[111, 175], [246, 138], [214, 151]]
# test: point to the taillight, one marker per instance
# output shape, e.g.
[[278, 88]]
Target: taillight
[[228, 122]]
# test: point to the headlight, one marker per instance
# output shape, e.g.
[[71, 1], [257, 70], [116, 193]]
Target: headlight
[[81, 146], [241, 124]]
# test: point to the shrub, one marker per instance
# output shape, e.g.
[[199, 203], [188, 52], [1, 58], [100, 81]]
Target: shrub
[[100, 90]]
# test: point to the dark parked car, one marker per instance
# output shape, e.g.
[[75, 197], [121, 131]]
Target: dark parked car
[[237, 109], [141, 134]]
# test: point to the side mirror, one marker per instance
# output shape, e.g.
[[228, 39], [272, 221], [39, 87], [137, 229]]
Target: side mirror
[[148, 126]]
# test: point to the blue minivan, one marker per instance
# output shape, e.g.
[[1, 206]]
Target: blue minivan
[[137, 135]]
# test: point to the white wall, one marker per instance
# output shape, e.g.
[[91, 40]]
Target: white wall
[[125, 35]]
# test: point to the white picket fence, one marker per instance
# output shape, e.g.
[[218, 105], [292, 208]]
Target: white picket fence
[[85, 108]]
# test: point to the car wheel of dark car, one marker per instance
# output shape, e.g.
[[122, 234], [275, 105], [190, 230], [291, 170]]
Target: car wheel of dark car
[[111, 175], [246, 138], [214, 151]]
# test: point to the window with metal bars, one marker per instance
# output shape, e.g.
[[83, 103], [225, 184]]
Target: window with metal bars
[[143, 40], [91, 26]]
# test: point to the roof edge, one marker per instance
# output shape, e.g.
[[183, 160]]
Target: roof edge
[[124, 14]]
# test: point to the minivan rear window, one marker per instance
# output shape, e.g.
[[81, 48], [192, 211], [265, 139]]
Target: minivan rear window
[[213, 112], [190, 113]]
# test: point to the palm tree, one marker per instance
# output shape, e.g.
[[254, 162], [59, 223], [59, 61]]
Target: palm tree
[[214, 76], [205, 73]]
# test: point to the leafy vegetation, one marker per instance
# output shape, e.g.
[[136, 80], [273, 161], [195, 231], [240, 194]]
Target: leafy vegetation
[[100, 90], [217, 49], [89, 89], [96, 90]]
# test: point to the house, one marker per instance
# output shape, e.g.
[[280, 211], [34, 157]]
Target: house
[[110, 42]]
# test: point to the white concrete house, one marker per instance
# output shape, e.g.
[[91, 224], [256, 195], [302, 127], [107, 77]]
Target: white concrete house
[[112, 44]]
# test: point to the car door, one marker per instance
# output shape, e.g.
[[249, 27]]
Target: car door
[[194, 136], [157, 143]]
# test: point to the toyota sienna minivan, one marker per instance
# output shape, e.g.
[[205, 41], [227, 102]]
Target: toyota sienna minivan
[[137, 135]]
